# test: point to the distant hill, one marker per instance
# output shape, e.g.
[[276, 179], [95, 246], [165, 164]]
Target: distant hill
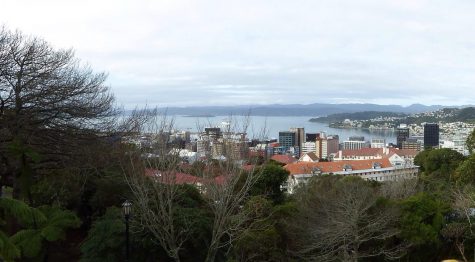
[[296, 109], [466, 114], [366, 115]]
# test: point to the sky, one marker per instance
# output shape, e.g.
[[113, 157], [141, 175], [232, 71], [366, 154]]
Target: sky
[[255, 52]]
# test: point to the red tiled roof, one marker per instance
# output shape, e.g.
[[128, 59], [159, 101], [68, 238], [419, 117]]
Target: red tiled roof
[[181, 178], [248, 167], [404, 152], [169, 177], [332, 167], [284, 159]]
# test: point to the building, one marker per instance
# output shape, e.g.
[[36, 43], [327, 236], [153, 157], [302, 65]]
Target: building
[[406, 155], [213, 132], [326, 145], [311, 137], [283, 159], [355, 144], [457, 144], [411, 144], [287, 140], [431, 135], [321, 147], [308, 147], [402, 133], [378, 143], [377, 170], [309, 157], [333, 144], [292, 141], [299, 136]]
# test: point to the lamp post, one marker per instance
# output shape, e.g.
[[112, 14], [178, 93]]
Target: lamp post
[[126, 208]]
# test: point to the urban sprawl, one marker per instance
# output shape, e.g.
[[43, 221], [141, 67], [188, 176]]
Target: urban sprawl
[[305, 155]]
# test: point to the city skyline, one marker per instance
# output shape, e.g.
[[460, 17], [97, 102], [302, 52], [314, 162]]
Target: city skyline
[[188, 53]]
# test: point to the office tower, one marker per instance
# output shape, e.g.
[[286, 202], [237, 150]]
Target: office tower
[[287, 139], [311, 137], [300, 137], [321, 147], [411, 143], [213, 132], [308, 147], [333, 144], [402, 134], [431, 135]]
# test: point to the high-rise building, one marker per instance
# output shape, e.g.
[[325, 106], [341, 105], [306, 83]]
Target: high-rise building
[[412, 144], [333, 144], [287, 139], [326, 145], [311, 137], [431, 135], [299, 136], [308, 147], [402, 134], [321, 147]]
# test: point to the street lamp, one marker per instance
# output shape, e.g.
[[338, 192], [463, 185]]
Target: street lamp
[[126, 208]]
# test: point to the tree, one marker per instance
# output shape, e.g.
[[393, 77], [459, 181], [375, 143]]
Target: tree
[[471, 142], [50, 106], [423, 216], [345, 219], [105, 239], [465, 173], [271, 177], [439, 162]]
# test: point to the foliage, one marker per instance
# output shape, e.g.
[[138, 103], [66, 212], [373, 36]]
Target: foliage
[[439, 162], [343, 218], [471, 142], [465, 173], [51, 106], [39, 226], [105, 240], [49, 224], [422, 218], [270, 179]]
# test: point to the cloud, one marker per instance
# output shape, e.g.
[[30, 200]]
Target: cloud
[[256, 52]]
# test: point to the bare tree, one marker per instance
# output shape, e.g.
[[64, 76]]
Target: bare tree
[[400, 189], [49, 106], [340, 219], [152, 177], [227, 193], [223, 184], [463, 203]]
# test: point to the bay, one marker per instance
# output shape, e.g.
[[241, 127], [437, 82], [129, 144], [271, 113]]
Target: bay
[[273, 124]]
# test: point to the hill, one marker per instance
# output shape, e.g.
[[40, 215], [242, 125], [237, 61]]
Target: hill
[[317, 109], [366, 115]]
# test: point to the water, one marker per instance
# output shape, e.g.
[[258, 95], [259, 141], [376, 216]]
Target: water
[[274, 124]]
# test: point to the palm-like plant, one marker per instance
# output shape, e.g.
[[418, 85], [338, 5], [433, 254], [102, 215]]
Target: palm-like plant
[[38, 227]]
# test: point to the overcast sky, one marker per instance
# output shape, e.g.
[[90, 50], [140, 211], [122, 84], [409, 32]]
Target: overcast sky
[[200, 52]]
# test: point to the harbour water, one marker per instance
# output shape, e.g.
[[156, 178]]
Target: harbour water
[[269, 127]]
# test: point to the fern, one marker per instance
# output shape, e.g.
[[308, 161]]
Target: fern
[[39, 225], [52, 228], [8, 251]]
